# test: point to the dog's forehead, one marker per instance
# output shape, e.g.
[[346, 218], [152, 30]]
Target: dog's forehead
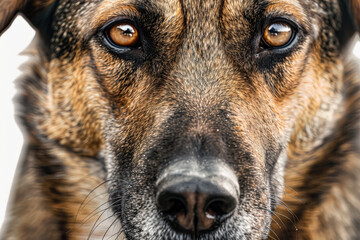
[[94, 13], [80, 20]]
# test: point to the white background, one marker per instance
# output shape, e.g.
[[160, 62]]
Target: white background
[[12, 42]]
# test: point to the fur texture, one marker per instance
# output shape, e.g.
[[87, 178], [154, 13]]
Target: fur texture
[[104, 122]]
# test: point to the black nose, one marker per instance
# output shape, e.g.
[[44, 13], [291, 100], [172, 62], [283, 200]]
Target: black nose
[[195, 204]]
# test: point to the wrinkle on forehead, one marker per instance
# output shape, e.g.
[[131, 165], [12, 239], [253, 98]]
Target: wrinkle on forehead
[[235, 7]]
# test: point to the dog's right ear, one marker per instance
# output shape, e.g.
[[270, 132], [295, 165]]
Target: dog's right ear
[[355, 12], [350, 10], [39, 13]]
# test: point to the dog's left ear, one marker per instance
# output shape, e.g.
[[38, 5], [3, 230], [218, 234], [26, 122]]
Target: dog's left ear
[[39, 13], [350, 10], [8, 10]]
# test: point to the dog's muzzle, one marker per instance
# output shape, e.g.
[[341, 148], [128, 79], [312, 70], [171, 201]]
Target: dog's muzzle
[[196, 196]]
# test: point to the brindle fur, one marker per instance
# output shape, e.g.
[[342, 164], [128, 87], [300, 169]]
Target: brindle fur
[[101, 126]]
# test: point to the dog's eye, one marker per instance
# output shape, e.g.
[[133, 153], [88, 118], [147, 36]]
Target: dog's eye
[[278, 34], [124, 35]]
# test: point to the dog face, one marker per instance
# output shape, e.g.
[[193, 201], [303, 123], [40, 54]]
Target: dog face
[[193, 107]]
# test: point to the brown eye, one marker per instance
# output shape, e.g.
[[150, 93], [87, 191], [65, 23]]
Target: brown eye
[[278, 34], [124, 34]]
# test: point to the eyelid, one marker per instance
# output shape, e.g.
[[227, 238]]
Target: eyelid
[[104, 30], [298, 34], [122, 19], [292, 20], [115, 34], [130, 52], [108, 16], [122, 12], [273, 19], [267, 39]]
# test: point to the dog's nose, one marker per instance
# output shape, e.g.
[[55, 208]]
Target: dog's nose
[[196, 197], [196, 205]]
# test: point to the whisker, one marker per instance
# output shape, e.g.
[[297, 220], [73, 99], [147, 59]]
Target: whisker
[[109, 228], [293, 197], [272, 213], [290, 220], [94, 212], [87, 196], [96, 224], [283, 204], [117, 234], [291, 188], [275, 214], [273, 232]]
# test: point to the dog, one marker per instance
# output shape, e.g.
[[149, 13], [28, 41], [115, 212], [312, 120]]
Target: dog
[[184, 120]]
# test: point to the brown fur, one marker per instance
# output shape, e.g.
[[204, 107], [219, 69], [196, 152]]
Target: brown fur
[[102, 126]]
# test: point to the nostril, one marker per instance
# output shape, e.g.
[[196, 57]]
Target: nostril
[[175, 208], [196, 204], [172, 205], [194, 196], [220, 208]]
